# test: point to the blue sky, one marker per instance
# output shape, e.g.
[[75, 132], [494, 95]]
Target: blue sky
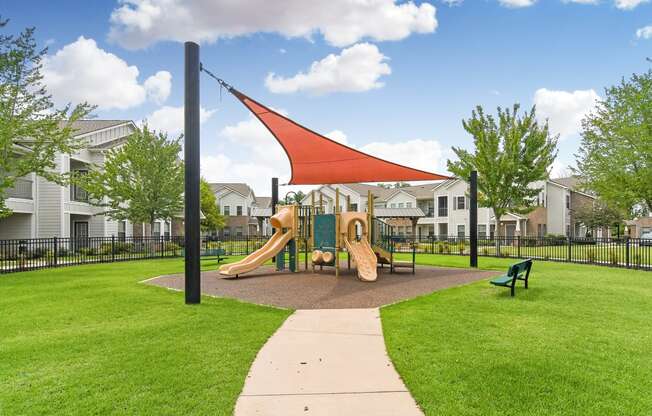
[[394, 78]]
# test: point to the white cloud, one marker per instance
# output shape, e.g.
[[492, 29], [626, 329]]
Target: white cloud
[[158, 86], [564, 110], [81, 71], [559, 169], [421, 154], [451, 3], [644, 32], [356, 69], [515, 4], [170, 119], [140, 23], [629, 4], [592, 2]]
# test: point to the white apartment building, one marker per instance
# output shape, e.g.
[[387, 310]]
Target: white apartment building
[[42, 209]]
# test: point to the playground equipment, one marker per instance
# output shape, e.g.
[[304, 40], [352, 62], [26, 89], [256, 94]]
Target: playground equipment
[[285, 227], [323, 238]]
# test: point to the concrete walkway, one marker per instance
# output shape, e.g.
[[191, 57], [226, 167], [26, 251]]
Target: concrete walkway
[[326, 362]]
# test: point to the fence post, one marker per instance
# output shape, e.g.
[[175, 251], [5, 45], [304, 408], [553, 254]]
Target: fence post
[[112, 248], [432, 244], [627, 252], [162, 242], [56, 250], [247, 243], [518, 246], [569, 248]]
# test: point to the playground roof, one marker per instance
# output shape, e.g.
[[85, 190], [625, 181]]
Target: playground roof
[[316, 159], [398, 213]]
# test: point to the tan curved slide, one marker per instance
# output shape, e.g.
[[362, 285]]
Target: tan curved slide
[[283, 219], [365, 259]]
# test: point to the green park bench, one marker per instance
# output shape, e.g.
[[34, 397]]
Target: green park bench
[[219, 253], [518, 271]]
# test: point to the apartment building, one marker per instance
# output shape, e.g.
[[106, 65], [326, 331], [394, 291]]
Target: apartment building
[[42, 209], [442, 208], [242, 210]]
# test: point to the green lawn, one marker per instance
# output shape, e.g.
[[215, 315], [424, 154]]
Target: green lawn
[[578, 342], [93, 340]]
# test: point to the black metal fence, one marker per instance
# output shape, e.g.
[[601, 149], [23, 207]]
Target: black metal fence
[[31, 254], [626, 252]]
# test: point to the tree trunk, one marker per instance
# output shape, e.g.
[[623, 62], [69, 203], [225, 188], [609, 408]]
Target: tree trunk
[[498, 233]]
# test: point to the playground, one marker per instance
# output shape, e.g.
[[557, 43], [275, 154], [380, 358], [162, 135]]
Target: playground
[[307, 290]]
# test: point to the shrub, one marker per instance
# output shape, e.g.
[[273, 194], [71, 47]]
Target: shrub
[[461, 247], [591, 255], [613, 257], [169, 246], [88, 251]]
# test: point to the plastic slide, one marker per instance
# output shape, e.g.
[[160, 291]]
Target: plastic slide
[[284, 219], [364, 257], [361, 252]]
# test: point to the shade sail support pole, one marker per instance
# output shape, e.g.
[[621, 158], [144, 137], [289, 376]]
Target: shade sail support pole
[[192, 172]]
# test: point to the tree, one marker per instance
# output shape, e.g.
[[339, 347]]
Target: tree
[[294, 197], [141, 181], [615, 155], [598, 215], [32, 131], [510, 154], [213, 219]]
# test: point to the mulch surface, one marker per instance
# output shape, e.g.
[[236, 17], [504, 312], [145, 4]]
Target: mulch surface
[[322, 290]]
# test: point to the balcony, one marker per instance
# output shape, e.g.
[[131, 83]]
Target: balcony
[[78, 194], [22, 189]]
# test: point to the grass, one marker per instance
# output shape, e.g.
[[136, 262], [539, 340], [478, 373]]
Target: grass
[[578, 342], [93, 340]]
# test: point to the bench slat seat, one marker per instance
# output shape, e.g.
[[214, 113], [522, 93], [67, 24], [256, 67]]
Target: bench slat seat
[[518, 271]]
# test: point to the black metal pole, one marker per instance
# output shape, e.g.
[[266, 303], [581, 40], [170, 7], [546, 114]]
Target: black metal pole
[[473, 218], [191, 160], [274, 202]]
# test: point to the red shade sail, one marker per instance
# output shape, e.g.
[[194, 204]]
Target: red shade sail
[[316, 159]]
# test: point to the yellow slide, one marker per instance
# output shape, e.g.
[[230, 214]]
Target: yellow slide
[[361, 252], [283, 219], [365, 259]]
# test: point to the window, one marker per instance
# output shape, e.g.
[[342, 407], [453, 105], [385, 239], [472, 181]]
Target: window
[[460, 202], [408, 205], [238, 231], [167, 230], [442, 206], [568, 201], [568, 230], [227, 231], [248, 211], [482, 231], [541, 230], [393, 205], [492, 231], [122, 230], [156, 232], [354, 207], [400, 205], [238, 210], [227, 210], [461, 230]]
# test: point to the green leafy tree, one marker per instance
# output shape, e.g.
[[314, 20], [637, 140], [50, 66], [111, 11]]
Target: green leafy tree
[[599, 215], [294, 198], [511, 152], [32, 131], [615, 156], [213, 219], [140, 181]]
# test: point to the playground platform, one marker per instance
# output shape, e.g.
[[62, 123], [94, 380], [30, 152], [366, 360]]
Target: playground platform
[[322, 290]]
